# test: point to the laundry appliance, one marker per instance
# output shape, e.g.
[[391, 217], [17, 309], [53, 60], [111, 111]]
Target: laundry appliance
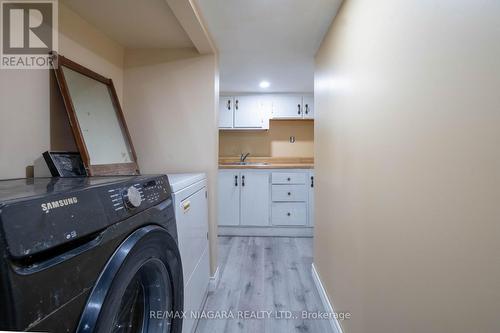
[[89, 254], [190, 196]]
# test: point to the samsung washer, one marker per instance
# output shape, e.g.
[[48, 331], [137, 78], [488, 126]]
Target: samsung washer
[[91, 254]]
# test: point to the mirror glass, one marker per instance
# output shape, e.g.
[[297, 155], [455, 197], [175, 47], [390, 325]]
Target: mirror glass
[[102, 131]]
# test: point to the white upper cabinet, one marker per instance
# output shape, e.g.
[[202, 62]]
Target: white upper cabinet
[[308, 106], [252, 112], [287, 106], [248, 112], [226, 105]]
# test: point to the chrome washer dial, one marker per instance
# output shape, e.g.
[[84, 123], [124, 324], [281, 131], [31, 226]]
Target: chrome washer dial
[[132, 197]]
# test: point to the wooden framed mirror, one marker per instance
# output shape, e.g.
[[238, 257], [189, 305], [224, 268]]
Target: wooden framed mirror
[[96, 119]]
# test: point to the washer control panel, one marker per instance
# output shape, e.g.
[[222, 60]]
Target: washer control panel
[[72, 208], [154, 190], [139, 195]]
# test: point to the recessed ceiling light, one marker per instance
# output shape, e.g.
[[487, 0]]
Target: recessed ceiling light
[[264, 84]]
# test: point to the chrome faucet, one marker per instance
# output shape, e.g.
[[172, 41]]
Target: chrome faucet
[[243, 157]]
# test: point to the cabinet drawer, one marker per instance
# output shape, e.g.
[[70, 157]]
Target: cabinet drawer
[[289, 178], [289, 193], [293, 213]]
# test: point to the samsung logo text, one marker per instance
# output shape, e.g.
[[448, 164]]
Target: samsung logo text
[[46, 207]]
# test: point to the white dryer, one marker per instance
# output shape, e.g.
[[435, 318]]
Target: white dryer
[[189, 192]]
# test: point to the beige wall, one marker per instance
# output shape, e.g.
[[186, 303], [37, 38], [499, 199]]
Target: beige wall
[[408, 165], [170, 107], [82, 42], [24, 119], [274, 143], [30, 106]]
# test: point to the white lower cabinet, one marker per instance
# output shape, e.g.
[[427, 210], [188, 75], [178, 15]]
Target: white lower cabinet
[[290, 198], [254, 199], [311, 198], [289, 213], [269, 199], [284, 193], [243, 197], [228, 203]]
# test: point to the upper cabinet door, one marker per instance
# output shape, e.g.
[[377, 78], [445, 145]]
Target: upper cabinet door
[[287, 106], [226, 108], [308, 106], [248, 112]]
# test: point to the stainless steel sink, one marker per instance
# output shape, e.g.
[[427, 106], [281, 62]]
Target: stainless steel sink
[[247, 163]]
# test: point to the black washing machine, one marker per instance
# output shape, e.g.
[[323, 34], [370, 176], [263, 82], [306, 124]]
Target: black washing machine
[[91, 254]]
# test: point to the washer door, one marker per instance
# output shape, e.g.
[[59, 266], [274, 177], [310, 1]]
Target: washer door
[[140, 290]]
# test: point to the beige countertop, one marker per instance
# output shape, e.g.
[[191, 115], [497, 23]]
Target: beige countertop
[[267, 163]]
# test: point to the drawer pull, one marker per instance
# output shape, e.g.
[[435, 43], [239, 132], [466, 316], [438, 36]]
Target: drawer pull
[[236, 180], [289, 193], [288, 179], [288, 214]]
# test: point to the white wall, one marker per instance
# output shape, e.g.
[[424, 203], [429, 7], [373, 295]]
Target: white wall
[[27, 96], [408, 165], [170, 106]]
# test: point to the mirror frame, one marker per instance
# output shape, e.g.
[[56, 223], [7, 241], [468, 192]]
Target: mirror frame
[[100, 169]]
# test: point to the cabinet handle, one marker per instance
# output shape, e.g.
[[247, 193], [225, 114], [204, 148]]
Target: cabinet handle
[[242, 180], [288, 179], [236, 180], [236, 104], [289, 193], [298, 108], [288, 214], [229, 104], [307, 108], [312, 181]]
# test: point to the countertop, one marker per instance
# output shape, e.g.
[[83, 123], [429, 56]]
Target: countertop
[[271, 163]]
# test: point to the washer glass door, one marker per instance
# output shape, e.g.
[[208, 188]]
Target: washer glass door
[[148, 289], [140, 290]]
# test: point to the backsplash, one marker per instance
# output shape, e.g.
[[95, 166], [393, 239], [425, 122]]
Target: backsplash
[[272, 143]]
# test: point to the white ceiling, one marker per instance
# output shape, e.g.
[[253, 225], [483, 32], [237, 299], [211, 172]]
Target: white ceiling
[[134, 23], [273, 40]]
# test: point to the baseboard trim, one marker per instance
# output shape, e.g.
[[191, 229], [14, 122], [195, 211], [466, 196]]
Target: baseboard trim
[[334, 323], [266, 231], [214, 280]]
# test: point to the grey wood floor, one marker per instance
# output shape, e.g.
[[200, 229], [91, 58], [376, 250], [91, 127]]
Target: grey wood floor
[[264, 274]]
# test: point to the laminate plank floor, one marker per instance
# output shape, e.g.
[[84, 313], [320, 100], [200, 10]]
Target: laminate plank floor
[[265, 284]]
